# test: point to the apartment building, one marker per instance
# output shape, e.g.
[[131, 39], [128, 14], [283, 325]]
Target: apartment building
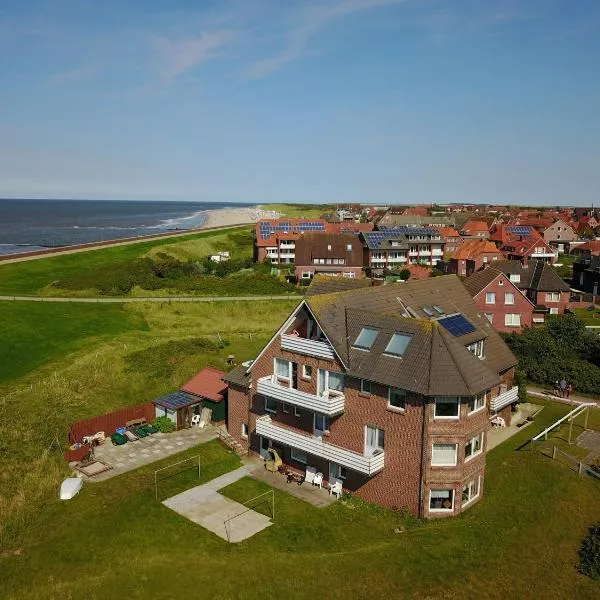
[[388, 390], [500, 300], [392, 248]]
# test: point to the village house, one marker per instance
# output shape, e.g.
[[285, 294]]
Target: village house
[[586, 250], [586, 275], [474, 228], [387, 390], [472, 256], [502, 302], [540, 282], [560, 235], [335, 254], [452, 239], [522, 243], [393, 248]]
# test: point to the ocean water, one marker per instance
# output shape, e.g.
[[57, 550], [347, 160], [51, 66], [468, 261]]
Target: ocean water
[[28, 225]]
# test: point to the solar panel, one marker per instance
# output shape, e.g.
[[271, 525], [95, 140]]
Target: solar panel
[[457, 325], [520, 229]]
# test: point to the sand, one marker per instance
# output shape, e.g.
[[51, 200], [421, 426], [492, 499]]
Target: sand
[[237, 216]]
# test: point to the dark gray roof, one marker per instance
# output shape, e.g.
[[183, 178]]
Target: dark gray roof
[[238, 376], [479, 281], [324, 284], [537, 275], [435, 362], [176, 400]]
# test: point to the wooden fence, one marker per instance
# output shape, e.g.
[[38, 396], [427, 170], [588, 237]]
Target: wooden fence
[[574, 463]]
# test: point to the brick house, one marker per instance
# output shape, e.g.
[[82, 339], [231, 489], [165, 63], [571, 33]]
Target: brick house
[[503, 304], [388, 389], [540, 282], [335, 254], [586, 250], [522, 243], [472, 256], [475, 229], [560, 235], [452, 239]]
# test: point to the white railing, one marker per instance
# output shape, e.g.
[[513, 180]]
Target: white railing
[[505, 398], [294, 343], [368, 465], [568, 417], [330, 405]]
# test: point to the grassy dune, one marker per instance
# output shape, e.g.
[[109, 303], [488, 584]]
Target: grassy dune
[[309, 211]]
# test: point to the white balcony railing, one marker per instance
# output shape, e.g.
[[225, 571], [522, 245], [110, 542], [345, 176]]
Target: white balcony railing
[[505, 398], [368, 465], [294, 343], [329, 405]]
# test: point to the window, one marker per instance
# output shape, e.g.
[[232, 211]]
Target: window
[[553, 297], [244, 430], [337, 471], [512, 320], [441, 500], [306, 274], [270, 404], [489, 317], [365, 386], [285, 407], [485, 259], [447, 407], [470, 491], [509, 298], [366, 338], [306, 371], [396, 398], [474, 446], [476, 348], [374, 441], [398, 344], [490, 298], [349, 247], [321, 423], [476, 403], [298, 455], [330, 381], [501, 283], [328, 246], [296, 411], [443, 455], [554, 311], [282, 368]]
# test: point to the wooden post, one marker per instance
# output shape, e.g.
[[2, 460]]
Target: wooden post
[[570, 429], [587, 412], [580, 467], [553, 452]]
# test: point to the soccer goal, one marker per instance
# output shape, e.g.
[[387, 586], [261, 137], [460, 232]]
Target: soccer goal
[[186, 469]]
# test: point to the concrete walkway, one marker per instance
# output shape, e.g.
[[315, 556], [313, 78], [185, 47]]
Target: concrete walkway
[[146, 450], [205, 506], [125, 299]]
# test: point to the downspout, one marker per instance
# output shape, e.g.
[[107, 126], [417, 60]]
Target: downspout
[[423, 432]]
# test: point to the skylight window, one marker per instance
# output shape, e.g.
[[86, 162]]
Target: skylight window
[[366, 338], [439, 310], [428, 310], [398, 344]]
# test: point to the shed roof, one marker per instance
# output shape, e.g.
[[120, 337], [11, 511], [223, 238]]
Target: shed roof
[[176, 400], [208, 384]]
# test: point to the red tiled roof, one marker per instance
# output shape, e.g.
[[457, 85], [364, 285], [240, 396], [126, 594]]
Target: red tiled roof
[[593, 246], [472, 225], [208, 383], [447, 232], [471, 249]]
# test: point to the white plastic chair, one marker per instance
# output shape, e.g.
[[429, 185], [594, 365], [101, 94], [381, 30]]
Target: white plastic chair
[[335, 487], [196, 420], [318, 480], [309, 477]]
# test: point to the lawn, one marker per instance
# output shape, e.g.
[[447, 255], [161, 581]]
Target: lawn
[[308, 211], [589, 317], [32, 277], [520, 541]]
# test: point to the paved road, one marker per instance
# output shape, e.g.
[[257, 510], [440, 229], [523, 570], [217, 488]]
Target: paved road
[[121, 299]]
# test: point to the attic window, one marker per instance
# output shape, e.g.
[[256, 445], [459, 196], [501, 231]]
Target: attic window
[[398, 344], [515, 278], [366, 338]]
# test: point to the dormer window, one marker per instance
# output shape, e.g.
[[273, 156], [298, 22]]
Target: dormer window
[[366, 338], [398, 344], [476, 348]]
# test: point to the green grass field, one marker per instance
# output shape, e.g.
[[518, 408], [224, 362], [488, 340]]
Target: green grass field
[[33, 277], [309, 211], [589, 317]]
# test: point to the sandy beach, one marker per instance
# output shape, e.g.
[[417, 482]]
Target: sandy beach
[[237, 216]]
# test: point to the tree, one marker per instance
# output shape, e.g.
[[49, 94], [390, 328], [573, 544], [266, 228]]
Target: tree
[[589, 553]]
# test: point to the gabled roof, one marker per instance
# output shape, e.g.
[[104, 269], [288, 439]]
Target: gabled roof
[[592, 246], [472, 249], [537, 275], [208, 384], [478, 282], [324, 284], [472, 225], [436, 362]]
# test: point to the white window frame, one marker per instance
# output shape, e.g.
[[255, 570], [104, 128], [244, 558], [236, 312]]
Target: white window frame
[[490, 297], [391, 406], [506, 295], [338, 471], [325, 373], [304, 375], [285, 407], [287, 377], [307, 274], [327, 422], [245, 430], [552, 296], [296, 411], [442, 510], [267, 399], [478, 404], [444, 464], [554, 310], [295, 458], [509, 320], [365, 389], [481, 438], [469, 486], [515, 277], [445, 417], [372, 450], [476, 348], [349, 247]]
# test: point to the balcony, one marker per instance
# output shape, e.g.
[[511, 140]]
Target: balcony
[[505, 398], [424, 252], [329, 405], [368, 465], [300, 345]]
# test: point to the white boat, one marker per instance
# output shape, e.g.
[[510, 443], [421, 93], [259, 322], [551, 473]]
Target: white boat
[[70, 488]]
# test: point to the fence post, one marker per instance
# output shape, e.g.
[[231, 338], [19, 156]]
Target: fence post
[[580, 467], [570, 429], [553, 452], [587, 412]]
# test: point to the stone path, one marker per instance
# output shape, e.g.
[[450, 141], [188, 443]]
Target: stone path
[[146, 450], [206, 507]]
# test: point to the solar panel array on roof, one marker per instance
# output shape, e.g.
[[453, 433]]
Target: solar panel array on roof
[[176, 400], [519, 229], [457, 325], [268, 229], [405, 230]]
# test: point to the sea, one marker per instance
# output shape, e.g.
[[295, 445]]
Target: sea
[[30, 225]]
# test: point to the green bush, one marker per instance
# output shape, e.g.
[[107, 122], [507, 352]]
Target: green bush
[[589, 553], [164, 424]]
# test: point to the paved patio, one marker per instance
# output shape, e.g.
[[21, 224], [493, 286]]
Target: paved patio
[[519, 421], [206, 507], [307, 492], [146, 450]]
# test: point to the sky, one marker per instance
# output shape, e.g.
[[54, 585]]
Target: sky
[[400, 101]]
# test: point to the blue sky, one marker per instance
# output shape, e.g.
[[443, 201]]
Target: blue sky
[[301, 101]]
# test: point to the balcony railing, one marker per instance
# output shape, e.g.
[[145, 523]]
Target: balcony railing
[[331, 404], [505, 398], [294, 343], [368, 465]]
